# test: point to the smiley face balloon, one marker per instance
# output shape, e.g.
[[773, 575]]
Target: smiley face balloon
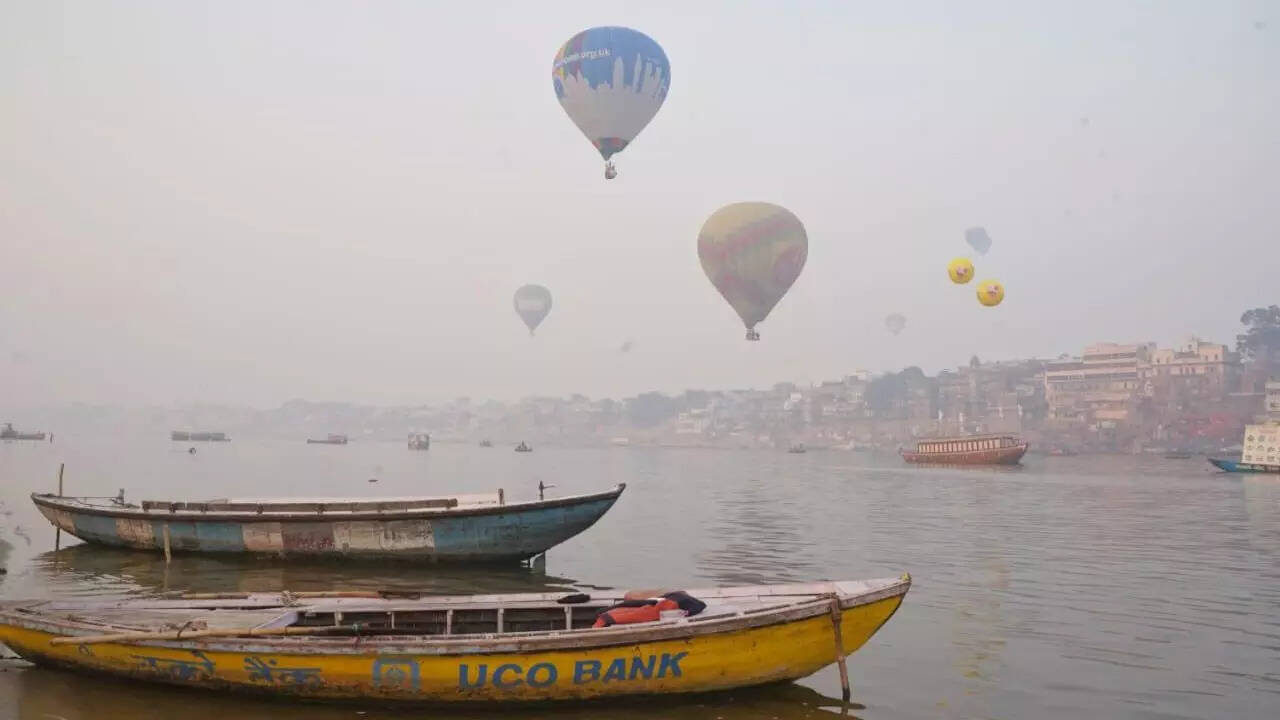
[[960, 270], [990, 293]]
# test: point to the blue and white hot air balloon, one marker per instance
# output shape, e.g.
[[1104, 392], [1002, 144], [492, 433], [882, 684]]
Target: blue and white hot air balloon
[[611, 81]]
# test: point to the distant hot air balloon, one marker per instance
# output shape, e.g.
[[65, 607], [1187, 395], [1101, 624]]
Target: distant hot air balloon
[[990, 293], [611, 81], [960, 270], [532, 303], [978, 239], [895, 322], [752, 252]]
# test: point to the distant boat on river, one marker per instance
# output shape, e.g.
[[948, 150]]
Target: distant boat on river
[[330, 440], [8, 433], [523, 447], [1260, 452], [972, 450], [419, 441], [183, 436]]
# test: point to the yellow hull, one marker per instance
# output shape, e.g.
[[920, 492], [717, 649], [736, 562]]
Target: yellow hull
[[700, 663]]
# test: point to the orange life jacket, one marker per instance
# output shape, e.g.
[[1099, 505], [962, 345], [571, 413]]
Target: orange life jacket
[[626, 614]]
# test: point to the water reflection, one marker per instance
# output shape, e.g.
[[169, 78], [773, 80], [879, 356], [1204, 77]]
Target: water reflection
[[760, 530], [89, 570]]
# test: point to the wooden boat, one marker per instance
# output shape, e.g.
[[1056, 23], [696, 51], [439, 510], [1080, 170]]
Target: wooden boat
[[1236, 466], [972, 450], [798, 449], [8, 433], [330, 440], [462, 528], [183, 436], [419, 441], [523, 448], [467, 649]]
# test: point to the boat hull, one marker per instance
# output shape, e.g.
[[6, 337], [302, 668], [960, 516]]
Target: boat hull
[[343, 670], [492, 534], [1234, 466], [994, 456]]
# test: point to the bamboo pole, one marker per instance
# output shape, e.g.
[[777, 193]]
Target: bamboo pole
[[57, 531], [196, 634], [837, 618]]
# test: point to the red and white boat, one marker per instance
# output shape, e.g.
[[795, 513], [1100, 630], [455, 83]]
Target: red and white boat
[[972, 450]]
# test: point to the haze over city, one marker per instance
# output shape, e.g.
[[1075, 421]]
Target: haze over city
[[250, 202]]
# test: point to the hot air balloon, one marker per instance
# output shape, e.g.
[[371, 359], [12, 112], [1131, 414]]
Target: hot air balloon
[[611, 81], [752, 252], [532, 303], [990, 293], [978, 239], [895, 322], [960, 270]]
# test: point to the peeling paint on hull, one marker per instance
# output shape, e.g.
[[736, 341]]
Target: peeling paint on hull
[[697, 663], [502, 533]]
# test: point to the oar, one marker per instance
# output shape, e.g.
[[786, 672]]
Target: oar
[[195, 634]]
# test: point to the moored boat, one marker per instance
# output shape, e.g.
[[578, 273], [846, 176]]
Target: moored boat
[[330, 440], [185, 436], [467, 649], [463, 528], [972, 450], [523, 447], [8, 433]]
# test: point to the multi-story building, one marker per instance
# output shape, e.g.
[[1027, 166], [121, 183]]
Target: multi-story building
[[1100, 387], [1273, 400], [1198, 367]]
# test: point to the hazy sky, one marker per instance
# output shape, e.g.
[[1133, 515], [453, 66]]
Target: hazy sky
[[247, 202]]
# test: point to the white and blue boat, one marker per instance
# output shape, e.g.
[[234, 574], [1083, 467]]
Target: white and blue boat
[[481, 528], [1259, 453]]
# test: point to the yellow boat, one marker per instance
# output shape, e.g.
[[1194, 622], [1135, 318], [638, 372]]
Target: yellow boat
[[480, 648]]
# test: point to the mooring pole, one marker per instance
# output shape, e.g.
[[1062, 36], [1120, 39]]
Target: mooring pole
[[57, 531], [836, 617]]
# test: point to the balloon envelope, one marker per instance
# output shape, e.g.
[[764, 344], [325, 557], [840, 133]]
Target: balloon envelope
[[960, 270], [611, 82], [895, 322], [752, 252], [532, 303], [990, 293], [978, 239]]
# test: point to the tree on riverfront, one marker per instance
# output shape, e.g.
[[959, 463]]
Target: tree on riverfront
[[1260, 342]]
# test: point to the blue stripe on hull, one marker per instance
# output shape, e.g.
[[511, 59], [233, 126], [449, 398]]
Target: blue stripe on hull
[[522, 534], [95, 528]]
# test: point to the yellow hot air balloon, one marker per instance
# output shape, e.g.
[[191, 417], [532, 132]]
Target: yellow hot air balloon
[[960, 270], [752, 252], [990, 293]]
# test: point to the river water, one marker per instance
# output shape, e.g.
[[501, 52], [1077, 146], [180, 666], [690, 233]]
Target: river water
[[1073, 587]]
